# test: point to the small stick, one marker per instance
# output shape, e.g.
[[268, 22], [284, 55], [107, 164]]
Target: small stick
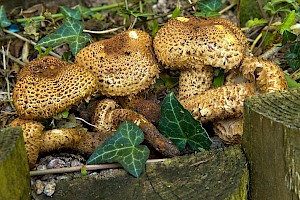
[[86, 122], [105, 31], [87, 167], [31, 42]]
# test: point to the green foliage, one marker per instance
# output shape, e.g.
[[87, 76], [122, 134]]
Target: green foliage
[[219, 79], [288, 22], [209, 8], [288, 36], [291, 82], [180, 126], [4, 22], [41, 53], [277, 6], [176, 12], [70, 32], [71, 13], [293, 56], [154, 27], [256, 21], [123, 147], [169, 81]]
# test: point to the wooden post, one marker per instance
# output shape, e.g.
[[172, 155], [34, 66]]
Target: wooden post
[[271, 141]]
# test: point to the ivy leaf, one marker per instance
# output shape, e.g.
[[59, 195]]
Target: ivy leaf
[[293, 56], [123, 147], [4, 22], [180, 126], [288, 36], [288, 22], [70, 32], [70, 13], [209, 8], [256, 21]]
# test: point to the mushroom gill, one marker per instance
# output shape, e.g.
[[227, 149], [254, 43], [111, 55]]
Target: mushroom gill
[[47, 86], [124, 64]]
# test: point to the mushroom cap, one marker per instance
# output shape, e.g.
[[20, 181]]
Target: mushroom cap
[[267, 75], [47, 86], [219, 103], [124, 64], [187, 42], [32, 132]]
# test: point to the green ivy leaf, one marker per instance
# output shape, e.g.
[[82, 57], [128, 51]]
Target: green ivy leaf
[[256, 21], [180, 126], [288, 36], [293, 56], [4, 22], [154, 27], [209, 8], [71, 13], [71, 33], [123, 147], [288, 22]]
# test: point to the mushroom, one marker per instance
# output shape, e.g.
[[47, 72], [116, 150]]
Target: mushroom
[[108, 116], [123, 64], [196, 46], [39, 141], [32, 132], [190, 42], [47, 86]]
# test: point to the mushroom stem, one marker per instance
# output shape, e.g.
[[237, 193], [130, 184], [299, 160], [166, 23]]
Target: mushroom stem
[[194, 81], [108, 117]]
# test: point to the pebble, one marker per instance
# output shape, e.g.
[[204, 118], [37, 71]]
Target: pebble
[[50, 189], [39, 186], [56, 163]]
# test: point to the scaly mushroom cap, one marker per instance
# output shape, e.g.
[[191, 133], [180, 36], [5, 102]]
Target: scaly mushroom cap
[[32, 132], [124, 64], [186, 42], [47, 86], [194, 81], [267, 75], [219, 103]]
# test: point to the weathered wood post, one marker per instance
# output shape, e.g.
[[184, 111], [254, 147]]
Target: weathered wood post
[[14, 169], [271, 141]]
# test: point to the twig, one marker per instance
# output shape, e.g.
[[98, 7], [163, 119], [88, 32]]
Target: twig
[[105, 31], [86, 122], [31, 42], [228, 7], [106, 7], [255, 42], [270, 52], [6, 77], [264, 14], [87, 167], [15, 59], [201, 162]]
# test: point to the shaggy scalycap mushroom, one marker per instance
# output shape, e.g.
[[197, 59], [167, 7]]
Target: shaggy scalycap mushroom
[[47, 86], [32, 132], [186, 42], [124, 64]]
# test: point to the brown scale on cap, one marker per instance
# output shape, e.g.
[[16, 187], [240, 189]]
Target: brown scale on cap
[[267, 75], [186, 42], [124, 64], [229, 130], [32, 132], [47, 86]]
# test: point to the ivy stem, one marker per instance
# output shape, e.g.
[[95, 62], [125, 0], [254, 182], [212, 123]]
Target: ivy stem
[[106, 7], [87, 167]]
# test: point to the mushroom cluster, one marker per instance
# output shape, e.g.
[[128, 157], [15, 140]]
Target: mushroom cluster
[[196, 47], [126, 65]]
